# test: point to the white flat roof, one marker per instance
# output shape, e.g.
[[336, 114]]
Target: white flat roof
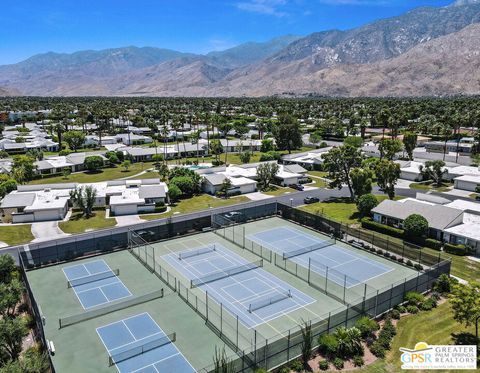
[[239, 181], [469, 178], [468, 230]]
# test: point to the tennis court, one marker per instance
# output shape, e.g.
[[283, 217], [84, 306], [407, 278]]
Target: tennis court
[[320, 255], [138, 344], [241, 287], [95, 283]]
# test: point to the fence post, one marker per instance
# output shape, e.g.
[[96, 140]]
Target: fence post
[[206, 304], [346, 315], [364, 298], [376, 304], [237, 333], [288, 346], [221, 319], [326, 281], [255, 347], [309, 269], [243, 245], [344, 286], [328, 324], [390, 300]]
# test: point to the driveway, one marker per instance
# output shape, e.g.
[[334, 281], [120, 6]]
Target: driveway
[[47, 231], [257, 196], [128, 220]]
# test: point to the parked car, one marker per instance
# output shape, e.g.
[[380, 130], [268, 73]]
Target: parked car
[[296, 186], [234, 216], [309, 199]]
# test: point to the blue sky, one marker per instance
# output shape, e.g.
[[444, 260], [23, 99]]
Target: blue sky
[[31, 26]]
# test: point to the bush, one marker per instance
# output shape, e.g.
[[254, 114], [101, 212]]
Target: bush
[[428, 304], [338, 363], [455, 249], [284, 370], [323, 365], [296, 365], [388, 329], [414, 298], [386, 254], [377, 349], [442, 284], [379, 251], [366, 203], [409, 263], [328, 344], [384, 341], [93, 163], [368, 223], [415, 226], [412, 309], [400, 260], [401, 309], [433, 244], [367, 326], [394, 314], [418, 267], [185, 183], [358, 361], [270, 156]]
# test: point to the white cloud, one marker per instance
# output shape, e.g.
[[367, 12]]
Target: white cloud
[[268, 7]]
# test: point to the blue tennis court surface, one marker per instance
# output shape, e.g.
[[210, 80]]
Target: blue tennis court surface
[[340, 262], [138, 344], [252, 293], [95, 283]]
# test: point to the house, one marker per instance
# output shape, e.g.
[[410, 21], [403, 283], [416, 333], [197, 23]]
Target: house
[[212, 184], [439, 217], [144, 154], [411, 170], [458, 171], [133, 139], [311, 160], [56, 164], [33, 203], [467, 182], [137, 196], [461, 147]]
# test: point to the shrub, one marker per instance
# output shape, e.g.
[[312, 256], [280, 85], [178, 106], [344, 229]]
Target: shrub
[[366, 203], [296, 365], [378, 350], [284, 370], [394, 314], [379, 251], [442, 284], [368, 223], [418, 267], [400, 260], [270, 156], [455, 249], [433, 244], [384, 341], [338, 363], [389, 329], [323, 365], [386, 254], [401, 309], [367, 326], [93, 162], [415, 226], [409, 263], [412, 309], [358, 361], [328, 344], [415, 298], [393, 257]]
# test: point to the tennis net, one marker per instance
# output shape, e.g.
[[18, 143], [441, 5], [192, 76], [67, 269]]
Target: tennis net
[[109, 308], [308, 249], [225, 273], [197, 252], [148, 345], [254, 306], [92, 278]]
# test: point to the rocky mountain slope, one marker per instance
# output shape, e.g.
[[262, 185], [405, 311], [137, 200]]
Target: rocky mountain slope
[[427, 51]]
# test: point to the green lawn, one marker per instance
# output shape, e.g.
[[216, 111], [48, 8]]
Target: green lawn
[[318, 173], [318, 183], [16, 234], [105, 174], [428, 185], [80, 224], [342, 209], [196, 203], [434, 327], [278, 191]]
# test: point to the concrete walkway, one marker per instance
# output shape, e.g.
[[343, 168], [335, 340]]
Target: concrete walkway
[[47, 231], [128, 220], [257, 196]]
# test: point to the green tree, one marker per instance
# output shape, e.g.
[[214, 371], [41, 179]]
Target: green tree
[[8, 269], [7, 185], [74, 139], [366, 203], [307, 342], [433, 170], [174, 192], [126, 164], [465, 303], [225, 187], [185, 184], [409, 143], [415, 226], [216, 148], [23, 168], [349, 342], [84, 198], [12, 332], [287, 133], [266, 174], [361, 181], [66, 171], [10, 294], [389, 148], [245, 157], [387, 173], [267, 146], [339, 162], [354, 141], [93, 163]]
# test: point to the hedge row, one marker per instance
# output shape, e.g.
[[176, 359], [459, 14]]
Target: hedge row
[[455, 249], [433, 244], [368, 223]]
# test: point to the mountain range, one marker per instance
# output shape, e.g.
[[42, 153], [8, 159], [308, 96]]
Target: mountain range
[[426, 51]]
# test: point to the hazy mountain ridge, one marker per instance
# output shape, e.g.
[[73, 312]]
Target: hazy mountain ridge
[[326, 63]]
